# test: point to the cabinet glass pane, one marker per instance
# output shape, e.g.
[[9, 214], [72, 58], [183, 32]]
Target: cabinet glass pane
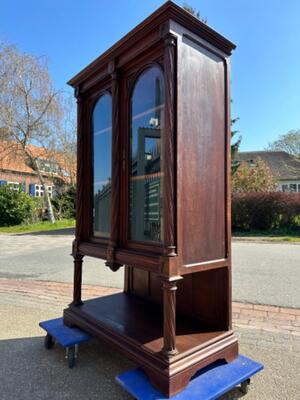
[[101, 130], [145, 175]]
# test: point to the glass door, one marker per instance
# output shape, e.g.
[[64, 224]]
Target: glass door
[[145, 172]]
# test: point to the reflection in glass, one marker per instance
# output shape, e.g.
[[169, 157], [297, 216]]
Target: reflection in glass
[[145, 205], [101, 131]]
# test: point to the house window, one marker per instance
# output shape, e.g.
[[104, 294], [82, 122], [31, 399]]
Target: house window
[[49, 166], [39, 190], [290, 187], [14, 186]]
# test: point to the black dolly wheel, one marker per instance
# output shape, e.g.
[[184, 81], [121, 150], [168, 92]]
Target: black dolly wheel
[[49, 341], [245, 386], [71, 356]]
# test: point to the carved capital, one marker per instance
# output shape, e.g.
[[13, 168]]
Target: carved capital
[[77, 94], [75, 247], [110, 258], [170, 40], [112, 69], [170, 251], [169, 265]]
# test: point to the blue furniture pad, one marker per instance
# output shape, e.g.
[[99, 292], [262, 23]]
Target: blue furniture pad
[[63, 334], [208, 384]]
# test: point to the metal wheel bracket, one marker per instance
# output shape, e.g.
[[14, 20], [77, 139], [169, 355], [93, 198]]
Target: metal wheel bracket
[[71, 355], [245, 386]]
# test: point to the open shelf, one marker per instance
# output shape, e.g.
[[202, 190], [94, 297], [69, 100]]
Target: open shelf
[[142, 321]]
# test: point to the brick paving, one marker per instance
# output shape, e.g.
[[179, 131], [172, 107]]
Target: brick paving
[[266, 318], [57, 295]]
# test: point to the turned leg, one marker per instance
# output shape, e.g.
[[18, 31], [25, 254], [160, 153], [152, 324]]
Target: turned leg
[[77, 280], [169, 298]]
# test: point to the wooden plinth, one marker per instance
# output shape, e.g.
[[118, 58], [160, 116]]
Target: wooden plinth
[[135, 328]]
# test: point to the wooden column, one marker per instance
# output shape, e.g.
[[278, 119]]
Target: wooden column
[[169, 146], [77, 280], [169, 303], [115, 182]]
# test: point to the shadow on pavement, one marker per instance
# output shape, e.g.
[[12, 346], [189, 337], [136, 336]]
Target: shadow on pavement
[[57, 232], [29, 371], [32, 372]]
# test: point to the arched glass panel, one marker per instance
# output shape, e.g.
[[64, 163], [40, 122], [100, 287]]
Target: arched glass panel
[[146, 130], [102, 151]]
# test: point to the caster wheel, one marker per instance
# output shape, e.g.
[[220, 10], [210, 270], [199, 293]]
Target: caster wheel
[[245, 386], [49, 342], [71, 356]]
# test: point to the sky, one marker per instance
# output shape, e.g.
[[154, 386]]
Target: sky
[[265, 75]]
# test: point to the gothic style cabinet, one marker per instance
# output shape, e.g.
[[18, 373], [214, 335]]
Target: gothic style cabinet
[[154, 196]]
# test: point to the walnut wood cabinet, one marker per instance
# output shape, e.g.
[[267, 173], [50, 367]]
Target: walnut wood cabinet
[[154, 196]]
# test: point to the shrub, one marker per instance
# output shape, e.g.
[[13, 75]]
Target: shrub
[[257, 178], [15, 207], [265, 211], [64, 203]]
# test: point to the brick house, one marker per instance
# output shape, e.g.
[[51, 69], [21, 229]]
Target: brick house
[[285, 168], [16, 173]]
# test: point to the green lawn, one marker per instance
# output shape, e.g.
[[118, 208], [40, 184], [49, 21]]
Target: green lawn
[[40, 226], [270, 236]]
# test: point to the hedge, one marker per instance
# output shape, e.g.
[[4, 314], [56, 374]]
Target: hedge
[[265, 211], [16, 207]]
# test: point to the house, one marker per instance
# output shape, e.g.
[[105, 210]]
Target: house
[[284, 167], [16, 172]]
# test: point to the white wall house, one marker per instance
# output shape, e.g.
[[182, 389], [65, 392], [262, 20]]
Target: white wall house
[[283, 166]]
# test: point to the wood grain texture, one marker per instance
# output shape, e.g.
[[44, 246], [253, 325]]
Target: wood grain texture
[[168, 325], [201, 154], [134, 327]]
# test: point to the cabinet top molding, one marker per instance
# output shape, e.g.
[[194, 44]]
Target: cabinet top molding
[[168, 11]]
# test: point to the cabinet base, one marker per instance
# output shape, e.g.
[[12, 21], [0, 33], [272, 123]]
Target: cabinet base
[[134, 327]]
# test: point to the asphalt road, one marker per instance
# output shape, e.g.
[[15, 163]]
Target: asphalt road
[[263, 273], [29, 371]]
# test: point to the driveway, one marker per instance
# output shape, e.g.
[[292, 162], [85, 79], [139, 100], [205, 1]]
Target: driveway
[[28, 371], [263, 273]]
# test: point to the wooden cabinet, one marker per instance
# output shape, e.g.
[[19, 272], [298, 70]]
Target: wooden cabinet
[[154, 196]]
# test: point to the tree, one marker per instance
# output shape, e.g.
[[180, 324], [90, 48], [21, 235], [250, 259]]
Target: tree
[[234, 146], [30, 109], [289, 142], [258, 178], [66, 141], [194, 12]]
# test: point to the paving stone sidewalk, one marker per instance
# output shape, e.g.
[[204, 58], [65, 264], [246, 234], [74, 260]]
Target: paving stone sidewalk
[[58, 295]]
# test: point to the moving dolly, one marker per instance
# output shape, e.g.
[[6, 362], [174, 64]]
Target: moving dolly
[[67, 337]]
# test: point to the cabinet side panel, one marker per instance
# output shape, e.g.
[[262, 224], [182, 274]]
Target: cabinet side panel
[[201, 150]]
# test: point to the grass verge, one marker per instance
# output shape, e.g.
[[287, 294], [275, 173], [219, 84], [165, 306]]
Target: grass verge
[[277, 236], [39, 226]]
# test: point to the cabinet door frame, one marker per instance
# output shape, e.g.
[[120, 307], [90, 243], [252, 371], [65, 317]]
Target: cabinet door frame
[[129, 80], [92, 100]]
